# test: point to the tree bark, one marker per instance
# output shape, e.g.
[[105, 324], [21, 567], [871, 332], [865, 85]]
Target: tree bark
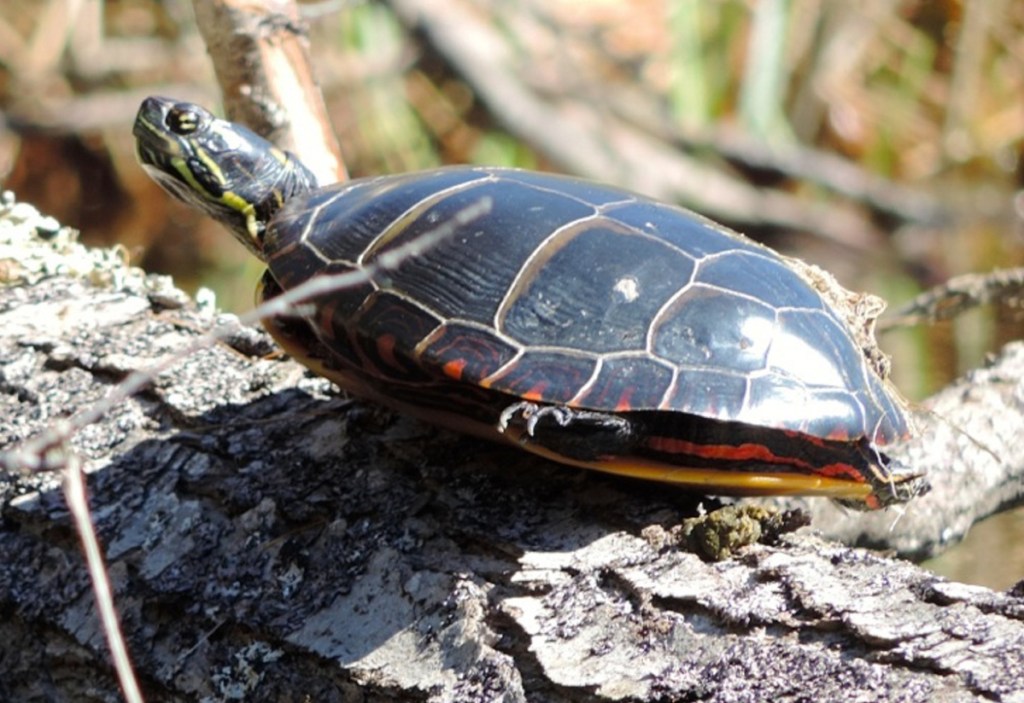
[[260, 55], [271, 540]]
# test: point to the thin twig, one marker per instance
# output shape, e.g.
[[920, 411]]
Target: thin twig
[[956, 296], [78, 503]]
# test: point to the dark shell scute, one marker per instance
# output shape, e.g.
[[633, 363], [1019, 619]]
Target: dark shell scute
[[550, 376], [609, 306], [888, 422], [710, 392], [468, 352], [810, 347], [755, 274], [711, 328], [350, 216], [468, 273], [391, 327], [687, 230], [585, 191], [632, 382]]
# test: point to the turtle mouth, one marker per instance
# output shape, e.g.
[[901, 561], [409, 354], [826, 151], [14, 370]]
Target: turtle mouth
[[154, 144], [172, 183]]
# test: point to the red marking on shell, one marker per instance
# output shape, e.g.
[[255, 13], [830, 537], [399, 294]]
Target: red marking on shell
[[755, 452], [536, 393], [624, 403], [386, 349], [740, 452], [841, 471], [873, 502], [325, 323], [839, 434], [453, 369]]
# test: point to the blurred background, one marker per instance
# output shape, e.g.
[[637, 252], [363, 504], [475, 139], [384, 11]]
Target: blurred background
[[881, 140]]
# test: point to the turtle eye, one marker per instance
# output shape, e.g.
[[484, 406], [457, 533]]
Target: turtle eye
[[183, 120]]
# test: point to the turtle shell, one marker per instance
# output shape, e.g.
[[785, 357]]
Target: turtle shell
[[581, 322], [571, 294]]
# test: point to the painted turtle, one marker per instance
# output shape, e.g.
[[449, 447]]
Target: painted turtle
[[581, 322]]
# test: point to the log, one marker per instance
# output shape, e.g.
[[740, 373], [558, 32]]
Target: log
[[270, 539]]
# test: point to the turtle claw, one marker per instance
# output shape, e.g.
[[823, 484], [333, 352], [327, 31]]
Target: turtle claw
[[529, 414], [580, 435]]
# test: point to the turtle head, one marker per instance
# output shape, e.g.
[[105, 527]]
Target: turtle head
[[227, 171]]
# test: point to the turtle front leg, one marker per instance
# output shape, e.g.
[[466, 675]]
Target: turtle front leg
[[579, 435]]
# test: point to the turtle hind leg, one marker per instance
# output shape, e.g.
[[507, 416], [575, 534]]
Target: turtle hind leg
[[577, 435]]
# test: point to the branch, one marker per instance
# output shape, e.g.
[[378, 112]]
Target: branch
[[267, 536], [261, 58]]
